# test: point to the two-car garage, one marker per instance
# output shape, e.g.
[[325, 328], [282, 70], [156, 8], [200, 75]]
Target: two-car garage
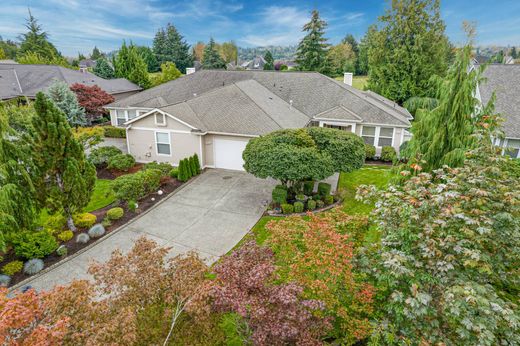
[[227, 151]]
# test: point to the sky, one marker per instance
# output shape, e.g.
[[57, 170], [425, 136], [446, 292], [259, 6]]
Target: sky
[[79, 25]]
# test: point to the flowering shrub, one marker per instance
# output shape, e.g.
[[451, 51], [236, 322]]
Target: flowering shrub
[[275, 314], [318, 254], [448, 266]]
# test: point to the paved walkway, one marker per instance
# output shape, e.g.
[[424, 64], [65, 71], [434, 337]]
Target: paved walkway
[[211, 215]]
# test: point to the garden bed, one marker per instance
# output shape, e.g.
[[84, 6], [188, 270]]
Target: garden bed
[[111, 174], [275, 213], [168, 186]]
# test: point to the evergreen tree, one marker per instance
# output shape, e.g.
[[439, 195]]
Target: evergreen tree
[[149, 58], [9, 47], [312, 50], [2, 54], [96, 54], [197, 163], [193, 166], [211, 58], [17, 193], [63, 177], [103, 69], [169, 45], [36, 41], [410, 47], [364, 45], [65, 99], [514, 53], [269, 61], [130, 65], [443, 134], [350, 39]]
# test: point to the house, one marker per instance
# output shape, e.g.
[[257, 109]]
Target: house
[[214, 113], [256, 64], [27, 80], [85, 64], [504, 80]]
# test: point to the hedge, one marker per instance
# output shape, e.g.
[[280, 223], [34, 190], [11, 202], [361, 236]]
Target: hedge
[[114, 132]]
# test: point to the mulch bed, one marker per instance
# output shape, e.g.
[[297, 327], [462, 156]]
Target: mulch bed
[[168, 185], [111, 174], [378, 162]]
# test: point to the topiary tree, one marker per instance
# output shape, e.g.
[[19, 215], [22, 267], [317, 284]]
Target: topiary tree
[[293, 156], [63, 176], [66, 101]]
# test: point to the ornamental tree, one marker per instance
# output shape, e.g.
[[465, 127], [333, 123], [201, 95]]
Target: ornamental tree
[[275, 313], [448, 264], [63, 176], [61, 95], [295, 155], [92, 99]]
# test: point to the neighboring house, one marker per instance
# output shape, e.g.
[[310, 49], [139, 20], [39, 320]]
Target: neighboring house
[[85, 64], [291, 65], [504, 81], [508, 60], [214, 113], [256, 64], [480, 59], [27, 80]]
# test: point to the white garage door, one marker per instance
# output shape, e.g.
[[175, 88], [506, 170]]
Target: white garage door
[[228, 153]]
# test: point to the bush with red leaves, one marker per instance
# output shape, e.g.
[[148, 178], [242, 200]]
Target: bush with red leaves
[[92, 98]]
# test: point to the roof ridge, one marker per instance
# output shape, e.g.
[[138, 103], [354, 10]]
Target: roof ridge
[[18, 81]]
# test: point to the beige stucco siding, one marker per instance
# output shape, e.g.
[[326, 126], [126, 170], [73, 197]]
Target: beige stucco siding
[[171, 124]]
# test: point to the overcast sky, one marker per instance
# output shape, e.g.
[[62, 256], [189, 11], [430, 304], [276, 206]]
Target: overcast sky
[[78, 25]]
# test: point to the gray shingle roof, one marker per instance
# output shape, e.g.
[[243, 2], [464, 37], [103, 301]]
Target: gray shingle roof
[[35, 78], [311, 93], [504, 80], [339, 113]]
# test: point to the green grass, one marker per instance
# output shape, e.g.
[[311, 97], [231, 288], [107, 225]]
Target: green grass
[[358, 82], [101, 197]]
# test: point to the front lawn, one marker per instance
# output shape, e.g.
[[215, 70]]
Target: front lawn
[[102, 195]]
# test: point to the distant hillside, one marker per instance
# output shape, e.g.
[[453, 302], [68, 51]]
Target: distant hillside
[[279, 52]]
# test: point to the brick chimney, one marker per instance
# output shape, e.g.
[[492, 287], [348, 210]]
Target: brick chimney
[[347, 78]]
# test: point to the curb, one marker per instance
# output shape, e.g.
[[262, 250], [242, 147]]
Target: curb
[[85, 249]]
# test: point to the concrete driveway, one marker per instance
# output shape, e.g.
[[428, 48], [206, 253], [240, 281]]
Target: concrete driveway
[[210, 215]]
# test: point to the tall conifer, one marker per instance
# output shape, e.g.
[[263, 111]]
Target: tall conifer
[[312, 50]]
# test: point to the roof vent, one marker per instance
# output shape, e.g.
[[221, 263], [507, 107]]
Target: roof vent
[[290, 104], [194, 94]]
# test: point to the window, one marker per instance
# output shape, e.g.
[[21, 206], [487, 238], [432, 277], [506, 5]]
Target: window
[[121, 117], [338, 127], [386, 135], [160, 119], [368, 133], [131, 114], [512, 148], [163, 143]]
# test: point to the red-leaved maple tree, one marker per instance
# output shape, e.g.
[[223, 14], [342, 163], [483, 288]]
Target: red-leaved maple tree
[[92, 98]]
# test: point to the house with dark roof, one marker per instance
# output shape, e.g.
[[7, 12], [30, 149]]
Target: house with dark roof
[[27, 80], [256, 64], [214, 113], [504, 81]]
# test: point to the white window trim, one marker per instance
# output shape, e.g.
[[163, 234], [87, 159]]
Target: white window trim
[[163, 117], [376, 135], [337, 123], [505, 146], [118, 117], [156, 143], [140, 112]]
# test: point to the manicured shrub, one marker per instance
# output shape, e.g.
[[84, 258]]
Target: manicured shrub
[[328, 200], [106, 222], [33, 244], [164, 167], [114, 132], [320, 204], [115, 213], [370, 152], [311, 204], [174, 173], [82, 238], [33, 266], [197, 163], [151, 180], [62, 251], [287, 208], [128, 187], [316, 197], [5, 280], [388, 154], [191, 164], [56, 222], [121, 162], [298, 207], [132, 205], [184, 171], [324, 189], [12, 268], [65, 235], [279, 195], [84, 220], [96, 231], [308, 187], [300, 197], [280, 186], [100, 156]]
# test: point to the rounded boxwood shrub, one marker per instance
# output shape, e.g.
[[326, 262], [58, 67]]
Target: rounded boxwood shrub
[[298, 207], [100, 156], [65, 235], [287, 208], [311, 204], [164, 167], [279, 195], [174, 173], [34, 244], [324, 189], [115, 213], [370, 152], [328, 200], [84, 220], [320, 204], [12, 268], [56, 221], [308, 187], [62, 251], [33, 266], [388, 154], [121, 162], [5, 280], [300, 197], [82, 238], [96, 231]]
